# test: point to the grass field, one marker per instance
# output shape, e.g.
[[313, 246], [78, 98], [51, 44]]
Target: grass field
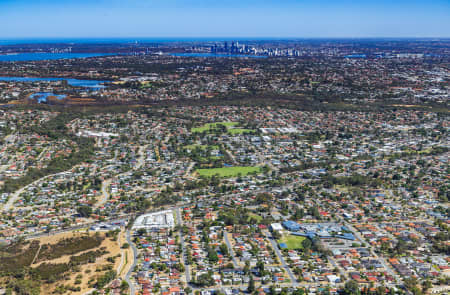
[[145, 85], [231, 128], [210, 158], [292, 242], [258, 218], [228, 171], [200, 146], [234, 131], [210, 126]]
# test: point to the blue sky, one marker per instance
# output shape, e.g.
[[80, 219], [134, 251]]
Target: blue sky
[[226, 18]]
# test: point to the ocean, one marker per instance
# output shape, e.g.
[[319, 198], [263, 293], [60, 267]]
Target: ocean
[[46, 56]]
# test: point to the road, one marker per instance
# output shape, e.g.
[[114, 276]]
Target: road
[[107, 182], [183, 247], [280, 257], [335, 265], [37, 253], [105, 194], [230, 249], [68, 229], [14, 196], [142, 155], [133, 265], [189, 168], [8, 141], [233, 159], [381, 259], [120, 217], [265, 161], [42, 154], [122, 256]]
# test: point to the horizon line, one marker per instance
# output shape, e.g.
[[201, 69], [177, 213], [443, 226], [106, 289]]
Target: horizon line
[[225, 37]]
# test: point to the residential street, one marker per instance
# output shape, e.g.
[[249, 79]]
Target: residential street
[[281, 259], [230, 249]]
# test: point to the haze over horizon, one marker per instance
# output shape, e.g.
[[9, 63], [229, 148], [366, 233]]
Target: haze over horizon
[[232, 18]]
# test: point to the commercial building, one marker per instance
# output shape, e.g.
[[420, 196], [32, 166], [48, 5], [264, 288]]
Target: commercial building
[[157, 220]]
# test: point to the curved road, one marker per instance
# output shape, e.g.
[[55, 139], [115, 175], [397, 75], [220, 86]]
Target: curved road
[[107, 182], [127, 276], [14, 196], [105, 194]]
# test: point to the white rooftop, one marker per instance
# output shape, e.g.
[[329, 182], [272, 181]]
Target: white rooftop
[[162, 219]]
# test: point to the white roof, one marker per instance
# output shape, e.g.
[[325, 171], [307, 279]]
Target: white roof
[[276, 226]]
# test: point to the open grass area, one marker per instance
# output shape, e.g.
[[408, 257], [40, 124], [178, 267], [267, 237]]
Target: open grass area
[[234, 131], [230, 126], [292, 242], [257, 217], [228, 171], [210, 158], [200, 146], [210, 126]]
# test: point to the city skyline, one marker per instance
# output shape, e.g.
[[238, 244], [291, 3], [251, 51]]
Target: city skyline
[[228, 19]]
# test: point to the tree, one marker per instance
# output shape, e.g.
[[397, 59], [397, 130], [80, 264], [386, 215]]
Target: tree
[[411, 285], [351, 288], [401, 247], [205, 279], [84, 211], [141, 231], [306, 244], [124, 286], [105, 279], [276, 235], [299, 213], [212, 255], [298, 292], [260, 266], [272, 290], [247, 267], [426, 285], [251, 285], [224, 249]]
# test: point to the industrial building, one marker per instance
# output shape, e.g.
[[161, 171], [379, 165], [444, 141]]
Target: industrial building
[[157, 220]]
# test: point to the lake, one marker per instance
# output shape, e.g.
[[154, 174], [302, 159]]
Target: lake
[[186, 54], [47, 56], [42, 96], [356, 56], [94, 84]]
